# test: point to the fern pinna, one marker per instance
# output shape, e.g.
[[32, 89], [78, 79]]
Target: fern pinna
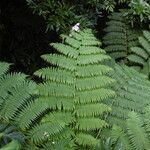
[[74, 89], [140, 56], [119, 36]]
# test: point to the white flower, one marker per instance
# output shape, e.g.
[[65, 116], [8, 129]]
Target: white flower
[[76, 27], [46, 134]]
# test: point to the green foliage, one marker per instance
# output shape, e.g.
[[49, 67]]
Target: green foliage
[[110, 5], [141, 55], [75, 90], [119, 36], [133, 94], [130, 111], [134, 136], [21, 112], [15, 93], [13, 145], [139, 11], [61, 15], [58, 15]]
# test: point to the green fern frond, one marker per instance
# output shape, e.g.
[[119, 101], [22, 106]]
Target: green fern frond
[[25, 119], [136, 59], [94, 96], [4, 67], [51, 125], [119, 135], [86, 140], [136, 132], [141, 55], [133, 94], [59, 103], [139, 51], [65, 49], [115, 48], [87, 124], [16, 100], [61, 61], [54, 89], [119, 36], [78, 86], [55, 75], [145, 44], [92, 59], [146, 35], [94, 83], [93, 70], [93, 50], [98, 109], [72, 42], [10, 81], [146, 119], [118, 55]]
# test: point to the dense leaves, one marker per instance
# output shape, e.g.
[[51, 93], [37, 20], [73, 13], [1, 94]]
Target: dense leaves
[[82, 99]]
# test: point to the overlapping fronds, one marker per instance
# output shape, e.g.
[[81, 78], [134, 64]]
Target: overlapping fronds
[[129, 118], [77, 86], [140, 56], [134, 136], [133, 94], [119, 36], [20, 110]]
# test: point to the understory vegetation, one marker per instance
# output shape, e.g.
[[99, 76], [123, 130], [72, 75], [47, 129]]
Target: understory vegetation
[[90, 90]]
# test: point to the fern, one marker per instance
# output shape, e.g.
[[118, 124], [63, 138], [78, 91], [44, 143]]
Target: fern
[[77, 86], [119, 36], [134, 136], [129, 118], [20, 110], [140, 56], [132, 91]]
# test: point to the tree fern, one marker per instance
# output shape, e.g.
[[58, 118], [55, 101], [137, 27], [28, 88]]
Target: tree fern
[[140, 56], [77, 86], [119, 36]]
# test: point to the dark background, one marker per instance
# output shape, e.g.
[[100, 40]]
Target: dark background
[[22, 36]]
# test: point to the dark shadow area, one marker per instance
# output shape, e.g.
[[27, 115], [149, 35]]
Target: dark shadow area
[[22, 36]]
